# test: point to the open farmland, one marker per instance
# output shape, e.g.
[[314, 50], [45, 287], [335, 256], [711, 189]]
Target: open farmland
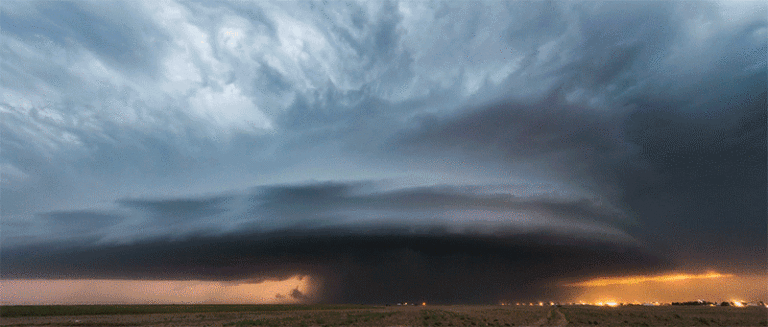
[[319, 315], [273, 315], [665, 316]]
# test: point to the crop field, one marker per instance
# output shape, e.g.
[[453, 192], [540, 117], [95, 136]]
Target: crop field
[[357, 315]]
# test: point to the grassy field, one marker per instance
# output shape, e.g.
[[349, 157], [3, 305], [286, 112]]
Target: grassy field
[[82, 310], [665, 316], [355, 315]]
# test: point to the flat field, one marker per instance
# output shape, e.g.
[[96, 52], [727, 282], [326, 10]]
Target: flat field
[[356, 315], [665, 316]]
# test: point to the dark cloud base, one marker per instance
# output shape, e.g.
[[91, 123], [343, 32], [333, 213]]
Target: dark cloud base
[[354, 266], [691, 170]]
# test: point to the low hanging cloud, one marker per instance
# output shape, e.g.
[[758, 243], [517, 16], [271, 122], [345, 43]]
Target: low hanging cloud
[[394, 245], [341, 205], [386, 264]]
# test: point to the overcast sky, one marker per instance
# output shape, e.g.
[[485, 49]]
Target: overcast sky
[[496, 146]]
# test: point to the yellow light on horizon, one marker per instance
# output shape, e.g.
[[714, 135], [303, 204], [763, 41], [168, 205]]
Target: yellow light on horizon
[[605, 281], [671, 287]]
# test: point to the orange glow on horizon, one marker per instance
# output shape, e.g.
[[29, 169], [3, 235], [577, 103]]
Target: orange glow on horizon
[[605, 281], [94, 291], [672, 287]]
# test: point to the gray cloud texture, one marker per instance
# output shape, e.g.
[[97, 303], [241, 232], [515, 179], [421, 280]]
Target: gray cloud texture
[[600, 136]]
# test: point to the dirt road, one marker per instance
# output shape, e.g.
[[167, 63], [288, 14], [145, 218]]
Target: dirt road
[[554, 318]]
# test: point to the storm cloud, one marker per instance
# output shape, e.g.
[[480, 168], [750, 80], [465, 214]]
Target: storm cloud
[[411, 249], [386, 150]]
